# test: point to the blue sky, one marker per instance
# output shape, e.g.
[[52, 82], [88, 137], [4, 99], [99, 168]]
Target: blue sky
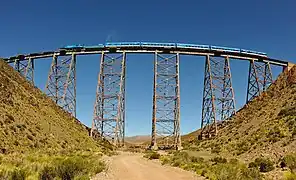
[[33, 26]]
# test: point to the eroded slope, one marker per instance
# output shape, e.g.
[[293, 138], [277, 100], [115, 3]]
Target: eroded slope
[[264, 127], [31, 121]]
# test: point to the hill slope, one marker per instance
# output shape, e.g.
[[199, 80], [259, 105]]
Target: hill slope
[[264, 127], [138, 139], [29, 120]]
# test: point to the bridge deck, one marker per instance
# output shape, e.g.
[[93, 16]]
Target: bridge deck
[[139, 49]]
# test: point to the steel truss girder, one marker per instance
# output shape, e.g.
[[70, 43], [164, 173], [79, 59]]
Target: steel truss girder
[[61, 83], [109, 108], [218, 95], [166, 102], [25, 68], [260, 78]]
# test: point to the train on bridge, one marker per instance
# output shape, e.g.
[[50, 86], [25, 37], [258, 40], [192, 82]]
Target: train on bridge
[[169, 46], [166, 119]]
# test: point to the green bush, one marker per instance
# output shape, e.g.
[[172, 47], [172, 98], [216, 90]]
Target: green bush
[[276, 133], [177, 163], [233, 161], [18, 174], [217, 168], [289, 176], [289, 161], [68, 168], [3, 174], [48, 173], [152, 155], [181, 157], [82, 177], [216, 149], [99, 167], [155, 155], [219, 160], [229, 171], [263, 164], [165, 160], [242, 147], [251, 173], [50, 167], [196, 159], [289, 111]]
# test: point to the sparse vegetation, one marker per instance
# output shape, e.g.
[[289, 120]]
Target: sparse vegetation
[[216, 149], [40, 166], [289, 161], [38, 140], [31, 121], [215, 168], [287, 111], [219, 159], [242, 147], [289, 176], [263, 164], [152, 155], [265, 127]]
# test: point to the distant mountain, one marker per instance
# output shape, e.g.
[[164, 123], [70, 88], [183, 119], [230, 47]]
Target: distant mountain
[[140, 139]]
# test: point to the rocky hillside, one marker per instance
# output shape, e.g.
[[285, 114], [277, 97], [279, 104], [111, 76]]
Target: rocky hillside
[[31, 121], [264, 127]]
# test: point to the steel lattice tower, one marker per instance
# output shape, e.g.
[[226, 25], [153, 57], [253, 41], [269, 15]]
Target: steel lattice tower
[[260, 78], [61, 83], [25, 68], [218, 95], [166, 102], [109, 109]]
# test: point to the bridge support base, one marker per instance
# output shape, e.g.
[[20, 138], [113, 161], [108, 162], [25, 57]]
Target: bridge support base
[[166, 102], [61, 83], [218, 95], [260, 78], [25, 68], [109, 108], [154, 147]]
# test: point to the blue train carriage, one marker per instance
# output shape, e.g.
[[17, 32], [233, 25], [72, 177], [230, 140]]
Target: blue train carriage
[[251, 52], [73, 47], [224, 49], [122, 44], [158, 45], [192, 46], [95, 47]]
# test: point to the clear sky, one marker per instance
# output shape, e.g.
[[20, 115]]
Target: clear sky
[[33, 26]]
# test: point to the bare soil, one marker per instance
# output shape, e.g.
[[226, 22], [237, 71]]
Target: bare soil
[[132, 166]]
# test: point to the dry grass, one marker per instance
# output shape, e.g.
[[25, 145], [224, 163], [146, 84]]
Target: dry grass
[[44, 166], [38, 140], [29, 120], [215, 168], [265, 127]]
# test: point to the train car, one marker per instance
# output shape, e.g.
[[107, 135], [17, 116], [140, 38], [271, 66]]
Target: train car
[[224, 49], [123, 44], [193, 46], [250, 52], [99, 46], [158, 45], [262, 54], [72, 47]]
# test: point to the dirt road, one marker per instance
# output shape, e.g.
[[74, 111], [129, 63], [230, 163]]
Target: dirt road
[[128, 166]]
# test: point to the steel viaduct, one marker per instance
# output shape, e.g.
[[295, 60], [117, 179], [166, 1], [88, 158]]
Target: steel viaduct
[[109, 108]]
